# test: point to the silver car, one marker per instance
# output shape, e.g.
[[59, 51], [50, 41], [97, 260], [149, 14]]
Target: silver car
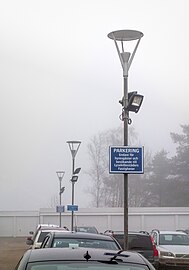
[[173, 248]]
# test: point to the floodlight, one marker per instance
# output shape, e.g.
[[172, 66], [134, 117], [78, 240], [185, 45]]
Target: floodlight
[[74, 178], [135, 101]]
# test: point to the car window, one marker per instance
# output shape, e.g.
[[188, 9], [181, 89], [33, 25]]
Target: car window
[[143, 242], [140, 241], [89, 243], [86, 229], [45, 242], [42, 236], [85, 265], [173, 239]]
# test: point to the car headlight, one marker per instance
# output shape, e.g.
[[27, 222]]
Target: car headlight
[[166, 253]]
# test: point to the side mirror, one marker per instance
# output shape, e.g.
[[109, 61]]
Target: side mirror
[[31, 232], [29, 241]]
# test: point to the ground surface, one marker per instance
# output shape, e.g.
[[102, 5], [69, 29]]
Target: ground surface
[[11, 250]]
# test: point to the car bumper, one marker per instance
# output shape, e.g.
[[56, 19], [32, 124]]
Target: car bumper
[[174, 262]]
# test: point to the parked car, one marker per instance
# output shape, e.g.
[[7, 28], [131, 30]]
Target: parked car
[[138, 241], [173, 248], [42, 226], [36, 240], [82, 258], [86, 229], [76, 239]]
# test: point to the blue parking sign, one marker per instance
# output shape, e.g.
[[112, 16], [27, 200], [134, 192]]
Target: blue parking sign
[[125, 159]]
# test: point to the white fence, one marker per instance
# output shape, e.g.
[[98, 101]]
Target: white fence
[[19, 223]]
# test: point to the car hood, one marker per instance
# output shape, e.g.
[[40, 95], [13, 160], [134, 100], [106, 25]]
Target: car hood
[[175, 248]]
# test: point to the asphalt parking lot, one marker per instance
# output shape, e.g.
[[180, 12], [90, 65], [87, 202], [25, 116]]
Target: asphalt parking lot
[[11, 250]]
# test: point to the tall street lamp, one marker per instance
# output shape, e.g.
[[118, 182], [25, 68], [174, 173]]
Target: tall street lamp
[[126, 60], [74, 146], [60, 175]]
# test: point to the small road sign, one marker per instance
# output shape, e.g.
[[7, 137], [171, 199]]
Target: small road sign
[[71, 207], [60, 208]]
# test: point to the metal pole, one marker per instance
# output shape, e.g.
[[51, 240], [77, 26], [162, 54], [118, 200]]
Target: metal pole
[[126, 59], [72, 218], [125, 118], [60, 222]]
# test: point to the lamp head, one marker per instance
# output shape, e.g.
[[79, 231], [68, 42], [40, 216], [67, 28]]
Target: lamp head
[[125, 35], [74, 146], [60, 174]]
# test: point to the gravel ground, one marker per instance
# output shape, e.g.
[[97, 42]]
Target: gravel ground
[[11, 250]]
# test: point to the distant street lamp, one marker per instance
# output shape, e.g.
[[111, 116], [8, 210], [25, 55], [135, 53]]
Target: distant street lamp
[[130, 101], [60, 175], [74, 146]]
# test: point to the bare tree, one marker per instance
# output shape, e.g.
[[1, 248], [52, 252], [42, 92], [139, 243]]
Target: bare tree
[[106, 190], [139, 192], [97, 171], [54, 201]]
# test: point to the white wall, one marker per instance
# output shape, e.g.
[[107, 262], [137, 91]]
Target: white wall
[[20, 223]]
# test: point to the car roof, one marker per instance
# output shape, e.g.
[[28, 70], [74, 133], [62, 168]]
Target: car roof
[[129, 233], [68, 234], [47, 225], [49, 254], [84, 227], [52, 229]]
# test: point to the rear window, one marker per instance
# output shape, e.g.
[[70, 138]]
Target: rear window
[[87, 243], [140, 241], [135, 241], [86, 229], [90, 265]]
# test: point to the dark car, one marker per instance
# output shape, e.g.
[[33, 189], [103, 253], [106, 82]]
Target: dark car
[[76, 239], [138, 241], [82, 258]]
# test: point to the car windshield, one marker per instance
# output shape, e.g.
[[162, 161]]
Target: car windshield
[[85, 265], [174, 239], [87, 243]]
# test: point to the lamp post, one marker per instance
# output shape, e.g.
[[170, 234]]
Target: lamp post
[[60, 175], [126, 60], [74, 146]]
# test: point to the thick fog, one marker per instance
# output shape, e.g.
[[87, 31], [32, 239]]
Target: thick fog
[[61, 79]]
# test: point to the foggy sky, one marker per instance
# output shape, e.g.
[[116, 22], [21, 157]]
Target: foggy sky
[[61, 80]]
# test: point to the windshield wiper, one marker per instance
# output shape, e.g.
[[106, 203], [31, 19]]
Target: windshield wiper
[[113, 260], [115, 255]]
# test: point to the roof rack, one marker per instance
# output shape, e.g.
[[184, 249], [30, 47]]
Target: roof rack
[[144, 232]]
